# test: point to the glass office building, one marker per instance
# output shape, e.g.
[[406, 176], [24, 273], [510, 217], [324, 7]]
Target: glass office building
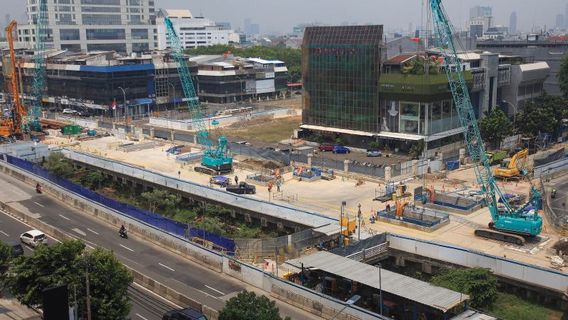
[[340, 69]]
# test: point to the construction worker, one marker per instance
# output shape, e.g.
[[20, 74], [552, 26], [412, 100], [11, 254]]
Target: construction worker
[[278, 183], [236, 180]]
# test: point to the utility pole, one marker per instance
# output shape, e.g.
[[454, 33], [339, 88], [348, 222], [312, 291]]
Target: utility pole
[[88, 289], [359, 223], [125, 109], [343, 204]]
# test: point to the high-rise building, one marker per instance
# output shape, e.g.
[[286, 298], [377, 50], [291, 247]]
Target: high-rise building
[[559, 21], [566, 15], [341, 66], [480, 11], [6, 22], [192, 31], [251, 28], [92, 25], [513, 23]]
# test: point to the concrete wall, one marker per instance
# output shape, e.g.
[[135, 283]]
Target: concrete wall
[[307, 299], [552, 167], [83, 122], [534, 275]]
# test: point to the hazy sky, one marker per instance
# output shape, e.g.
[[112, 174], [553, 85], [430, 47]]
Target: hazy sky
[[282, 15]]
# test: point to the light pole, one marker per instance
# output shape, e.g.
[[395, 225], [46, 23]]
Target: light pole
[[174, 89], [359, 222], [515, 110], [343, 204], [349, 302], [380, 292], [124, 96]]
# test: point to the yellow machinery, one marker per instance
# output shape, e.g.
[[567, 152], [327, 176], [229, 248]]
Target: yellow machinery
[[13, 125], [511, 168], [400, 206]]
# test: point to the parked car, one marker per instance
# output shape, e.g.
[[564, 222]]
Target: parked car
[[16, 247], [69, 111], [33, 238], [184, 314], [220, 180], [325, 147], [241, 188], [341, 150], [374, 153]]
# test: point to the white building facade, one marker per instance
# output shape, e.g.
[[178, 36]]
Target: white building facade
[[193, 31], [123, 26]]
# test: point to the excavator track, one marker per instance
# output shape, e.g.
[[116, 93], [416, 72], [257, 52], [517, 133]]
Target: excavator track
[[500, 236]]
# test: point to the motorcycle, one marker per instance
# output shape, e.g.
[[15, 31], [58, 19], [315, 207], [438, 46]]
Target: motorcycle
[[123, 234], [38, 188]]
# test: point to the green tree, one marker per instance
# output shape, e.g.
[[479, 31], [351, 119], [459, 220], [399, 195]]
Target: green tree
[[495, 126], [247, 305], [93, 180], [542, 115], [416, 149], [162, 201], [480, 284], [5, 257], [66, 263], [563, 76], [58, 165]]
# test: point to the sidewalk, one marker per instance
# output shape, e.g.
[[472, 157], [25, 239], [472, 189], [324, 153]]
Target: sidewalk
[[11, 309]]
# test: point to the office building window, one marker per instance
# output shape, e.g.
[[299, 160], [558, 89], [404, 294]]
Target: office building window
[[69, 34], [71, 47], [139, 47], [102, 19], [138, 34], [106, 34], [100, 9], [118, 47], [103, 2]]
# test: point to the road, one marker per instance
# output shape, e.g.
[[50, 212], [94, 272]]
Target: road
[[559, 203], [185, 276], [145, 304]]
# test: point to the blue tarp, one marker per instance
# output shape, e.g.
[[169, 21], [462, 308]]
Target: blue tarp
[[155, 220], [452, 165]]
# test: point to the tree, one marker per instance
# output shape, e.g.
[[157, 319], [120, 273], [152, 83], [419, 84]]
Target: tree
[[5, 257], [542, 115], [247, 305], [58, 165], [67, 263], [563, 76], [480, 284], [163, 201], [495, 126], [416, 149], [93, 180]]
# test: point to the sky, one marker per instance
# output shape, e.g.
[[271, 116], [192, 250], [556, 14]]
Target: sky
[[280, 16]]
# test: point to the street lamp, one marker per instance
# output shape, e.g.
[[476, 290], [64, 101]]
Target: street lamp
[[343, 204], [514, 108], [348, 303], [174, 89], [380, 292], [124, 96], [359, 222]]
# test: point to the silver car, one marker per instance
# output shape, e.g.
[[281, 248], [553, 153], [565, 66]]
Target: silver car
[[33, 238]]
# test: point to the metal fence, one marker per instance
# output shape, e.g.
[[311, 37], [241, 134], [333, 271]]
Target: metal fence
[[160, 222]]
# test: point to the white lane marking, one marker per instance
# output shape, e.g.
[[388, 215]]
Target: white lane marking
[[39, 204], [157, 296], [92, 231], [4, 233], [127, 248], [163, 265], [208, 294], [141, 316], [64, 217], [79, 231], [221, 293]]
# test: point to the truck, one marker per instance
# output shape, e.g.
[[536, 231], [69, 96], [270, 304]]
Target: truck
[[496, 156], [241, 188]]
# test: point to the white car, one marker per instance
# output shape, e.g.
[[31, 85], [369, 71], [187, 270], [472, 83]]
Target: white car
[[69, 111], [33, 238]]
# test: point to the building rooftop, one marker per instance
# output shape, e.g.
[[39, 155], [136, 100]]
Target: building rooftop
[[401, 58], [176, 13], [406, 287]]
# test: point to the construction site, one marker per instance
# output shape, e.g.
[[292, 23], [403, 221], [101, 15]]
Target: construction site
[[326, 219]]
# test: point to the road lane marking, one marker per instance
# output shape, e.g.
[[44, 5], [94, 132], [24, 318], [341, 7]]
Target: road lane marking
[[92, 231], [39, 204], [163, 265], [64, 217], [152, 293], [141, 316], [79, 231], [208, 294], [221, 293], [127, 248], [4, 233]]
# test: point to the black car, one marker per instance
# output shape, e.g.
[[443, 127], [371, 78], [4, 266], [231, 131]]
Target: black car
[[241, 188], [17, 249], [184, 314]]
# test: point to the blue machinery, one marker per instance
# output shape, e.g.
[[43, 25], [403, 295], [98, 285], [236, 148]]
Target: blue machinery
[[509, 224], [213, 158]]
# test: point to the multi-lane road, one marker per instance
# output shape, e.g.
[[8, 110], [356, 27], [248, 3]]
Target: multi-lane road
[[185, 276]]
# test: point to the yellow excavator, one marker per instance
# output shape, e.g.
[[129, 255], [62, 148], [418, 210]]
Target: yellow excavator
[[514, 167]]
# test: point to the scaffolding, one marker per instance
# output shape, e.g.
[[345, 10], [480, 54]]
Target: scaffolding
[[341, 69]]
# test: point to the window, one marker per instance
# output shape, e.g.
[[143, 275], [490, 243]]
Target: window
[[69, 34], [138, 34], [102, 19], [118, 47], [71, 47], [106, 34], [138, 47], [103, 2], [100, 9]]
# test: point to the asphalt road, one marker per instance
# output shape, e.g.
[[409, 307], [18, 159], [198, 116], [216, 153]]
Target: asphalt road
[[183, 275], [145, 304]]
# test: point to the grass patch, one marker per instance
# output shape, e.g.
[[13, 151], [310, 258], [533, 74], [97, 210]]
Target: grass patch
[[270, 131], [511, 307]]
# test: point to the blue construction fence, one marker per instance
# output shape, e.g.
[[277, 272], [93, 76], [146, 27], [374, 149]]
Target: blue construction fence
[[155, 220]]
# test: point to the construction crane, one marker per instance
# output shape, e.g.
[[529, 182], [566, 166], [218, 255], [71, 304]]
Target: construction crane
[[510, 225], [12, 127], [513, 168], [38, 85], [215, 159]]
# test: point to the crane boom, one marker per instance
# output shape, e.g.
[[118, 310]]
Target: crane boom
[[216, 159], [18, 110], [518, 221]]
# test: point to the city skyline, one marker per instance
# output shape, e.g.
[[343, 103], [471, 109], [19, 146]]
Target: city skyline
[[337, 12]]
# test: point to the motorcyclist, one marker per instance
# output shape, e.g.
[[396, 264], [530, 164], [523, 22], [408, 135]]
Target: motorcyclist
[[122, 230], [38, 188]]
